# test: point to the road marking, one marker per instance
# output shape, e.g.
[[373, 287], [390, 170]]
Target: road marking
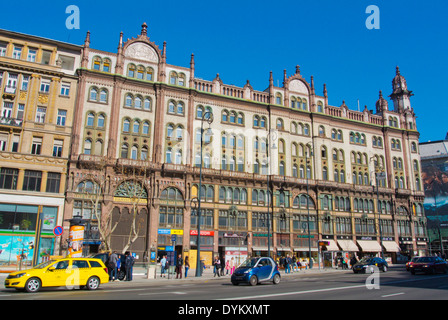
[[322, 290], [293, 293], [392, 295]]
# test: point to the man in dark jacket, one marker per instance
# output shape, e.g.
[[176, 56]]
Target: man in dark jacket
[[129, 263], [179, 264]]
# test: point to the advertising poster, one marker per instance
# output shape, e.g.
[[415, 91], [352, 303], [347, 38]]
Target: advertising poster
[[435, 182], [76, 239], [16, 249]]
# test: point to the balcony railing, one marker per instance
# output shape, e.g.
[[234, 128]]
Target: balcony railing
[[11, 122]]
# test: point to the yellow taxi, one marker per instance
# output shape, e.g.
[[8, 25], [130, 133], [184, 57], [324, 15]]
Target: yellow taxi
[[69, 272]]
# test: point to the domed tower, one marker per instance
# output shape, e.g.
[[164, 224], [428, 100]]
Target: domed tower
[[400, 94], [381, 104]]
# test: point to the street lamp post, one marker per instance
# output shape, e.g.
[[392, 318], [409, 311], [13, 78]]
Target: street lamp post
[[379, 176], [208, 117], [310, 263]]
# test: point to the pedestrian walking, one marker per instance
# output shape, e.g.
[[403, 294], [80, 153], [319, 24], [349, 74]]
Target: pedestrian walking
[[187, 265], [288, 264], [118, 269], [232, 266], [112, 264], [222, 263], [162, 266], [179, 264], [227, 267], [217, 264], [129, 263]]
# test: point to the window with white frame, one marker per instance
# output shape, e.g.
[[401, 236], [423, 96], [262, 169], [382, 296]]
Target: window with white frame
[[3, 141], [62, 116], [57, 148], [7, 109], [32, 53], [17, 52], [36, 145], [2, 49], [25, 82], [45, 85], [40, 114], [65, 89], [20, 111]]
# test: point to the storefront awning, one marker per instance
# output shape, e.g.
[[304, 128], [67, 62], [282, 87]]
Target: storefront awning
[[391, 246], [332, 246], [306, 249], [348, 245], [369, 245]]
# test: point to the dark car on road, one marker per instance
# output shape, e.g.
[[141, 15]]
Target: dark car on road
[[105, 258], [256, 270], [367, 265], [429, 265], [411, 262]]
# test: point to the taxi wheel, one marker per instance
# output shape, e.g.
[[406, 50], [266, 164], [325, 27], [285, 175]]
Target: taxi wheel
[[93, 283], [33, 285], [253, 281]]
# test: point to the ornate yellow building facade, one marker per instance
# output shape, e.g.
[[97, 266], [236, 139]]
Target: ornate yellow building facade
[[38, 88], [283, 170]]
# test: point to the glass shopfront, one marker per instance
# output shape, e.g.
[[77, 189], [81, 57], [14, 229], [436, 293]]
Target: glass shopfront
[[24, 239]]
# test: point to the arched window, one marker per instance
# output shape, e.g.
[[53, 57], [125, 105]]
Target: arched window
[[93, 95], [87, 146], [126, 125], [90, 119], [100, 121], [168, 155]]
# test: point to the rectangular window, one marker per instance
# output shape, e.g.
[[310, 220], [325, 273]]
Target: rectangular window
[[62, 116], [32, 53], [53, 182], [3, 141], [65, 89], [15, 143], [32, 180], [12, 81], [8, 178], [20, 111], [36, 145], [57, 148], [17, 52], [46, 56], [25, 81], [7, 110], [2, 49], [40, 114], [45, 85]]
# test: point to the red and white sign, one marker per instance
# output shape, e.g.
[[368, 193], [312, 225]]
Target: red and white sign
[[203, 233]]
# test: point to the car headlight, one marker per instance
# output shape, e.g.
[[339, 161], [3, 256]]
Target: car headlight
[[19, 275], [247, 271]]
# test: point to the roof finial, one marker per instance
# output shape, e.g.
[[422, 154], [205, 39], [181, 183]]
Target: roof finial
[[297, 69], [397, 71], [144, 29], [87, 40]]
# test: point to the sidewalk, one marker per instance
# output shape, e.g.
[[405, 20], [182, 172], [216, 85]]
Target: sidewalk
[[140, 275]]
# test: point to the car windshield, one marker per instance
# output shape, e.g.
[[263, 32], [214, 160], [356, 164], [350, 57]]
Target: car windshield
[[249, 263], [366, 260], [426, 259], [44, 264]]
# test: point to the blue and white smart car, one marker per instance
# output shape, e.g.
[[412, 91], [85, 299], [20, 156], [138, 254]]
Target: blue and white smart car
[[255, 271]]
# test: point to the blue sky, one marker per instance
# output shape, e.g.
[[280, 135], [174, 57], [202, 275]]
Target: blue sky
[[245, 40]]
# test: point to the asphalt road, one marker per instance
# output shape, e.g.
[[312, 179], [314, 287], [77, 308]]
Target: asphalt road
[[396, 284]]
